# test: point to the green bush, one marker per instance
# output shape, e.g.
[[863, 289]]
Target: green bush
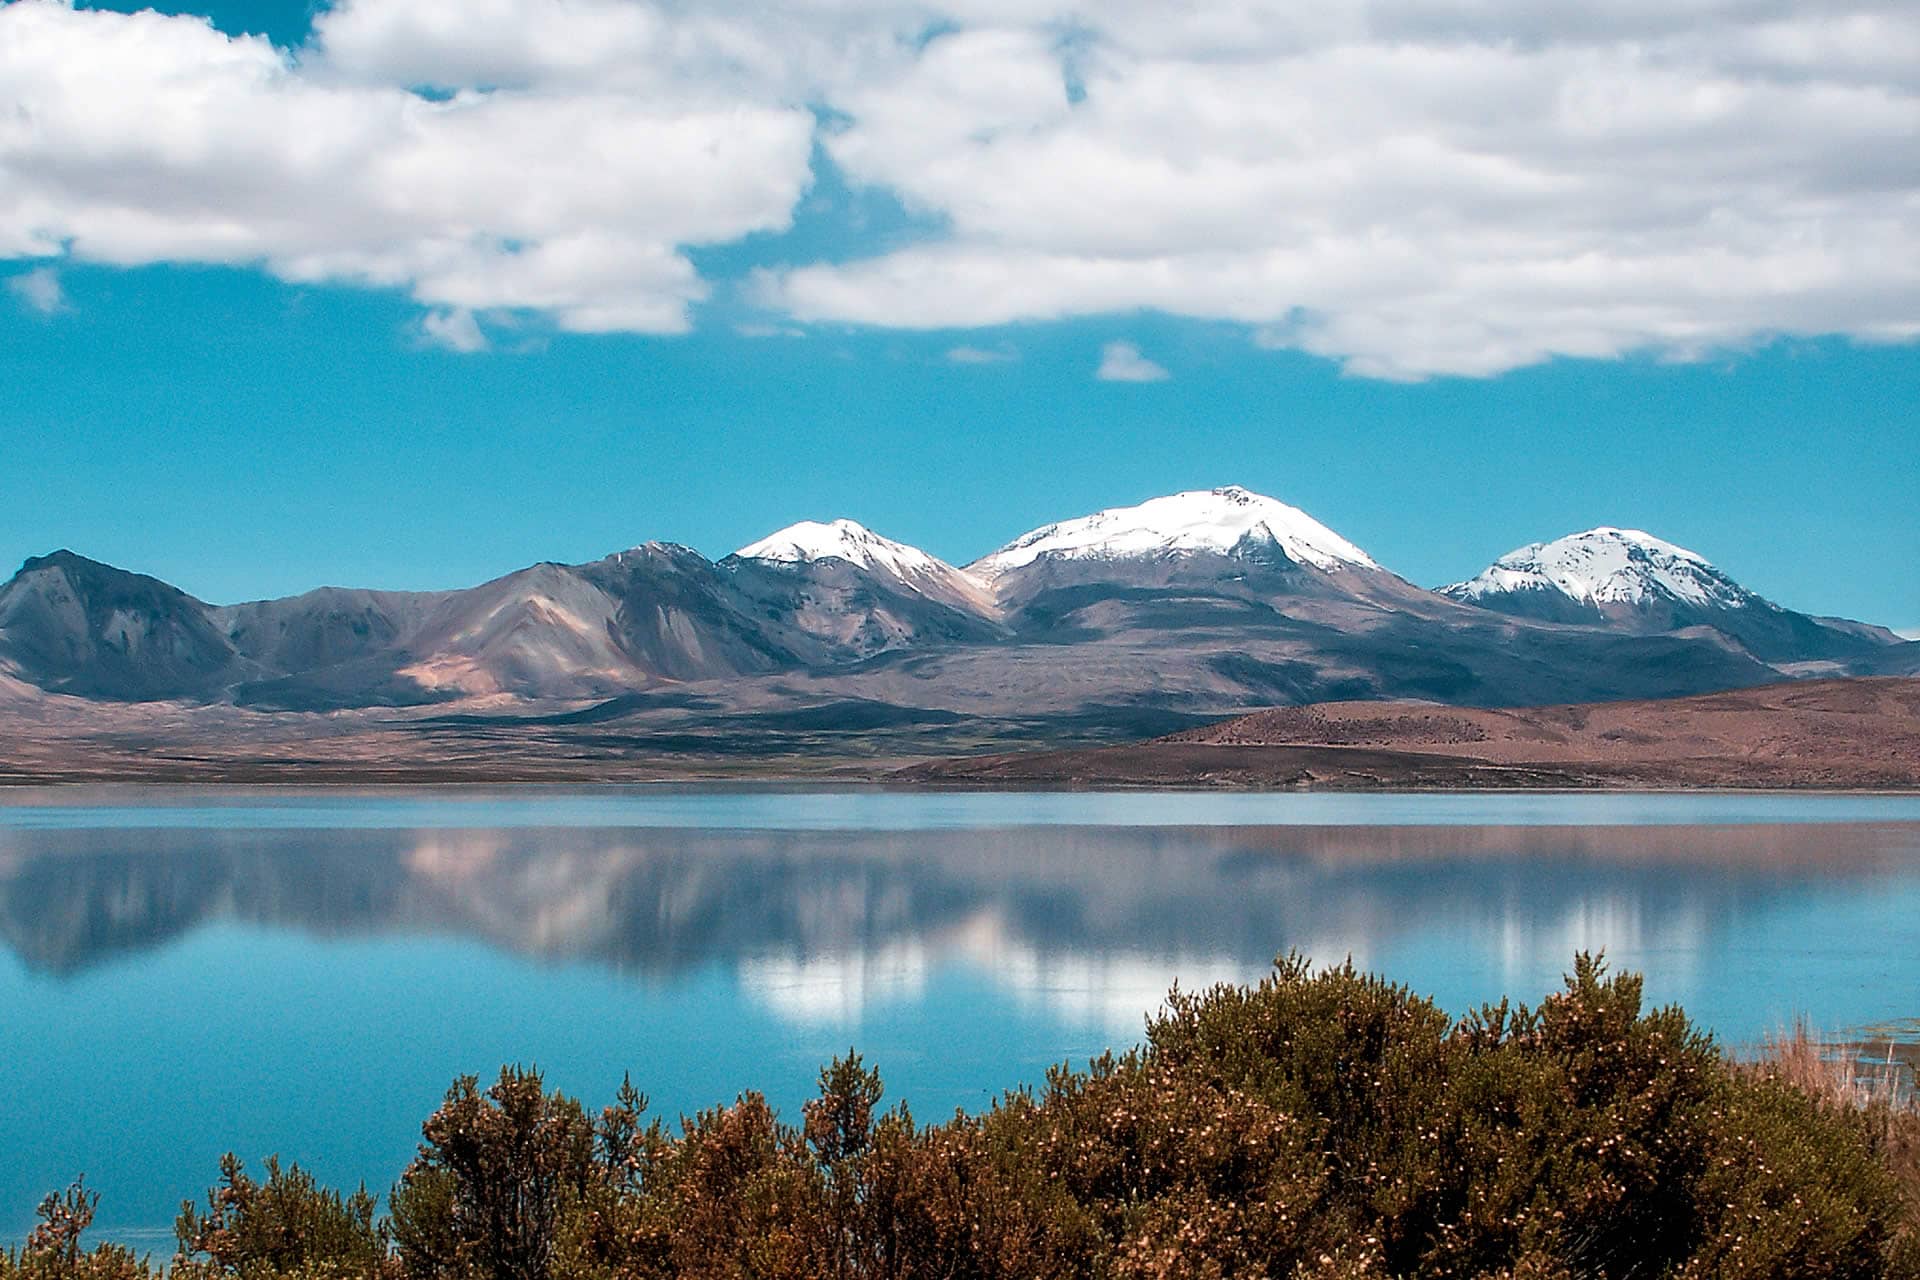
[[496, 1173], [287, 1225], [1314, 1126]]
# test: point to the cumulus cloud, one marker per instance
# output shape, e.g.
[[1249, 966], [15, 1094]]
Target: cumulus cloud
[[1410, 187], [39, 290], [138, 138], [1122, 362], [454, 330]]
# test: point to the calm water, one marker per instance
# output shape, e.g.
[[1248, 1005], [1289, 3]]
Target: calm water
[[302, 973]]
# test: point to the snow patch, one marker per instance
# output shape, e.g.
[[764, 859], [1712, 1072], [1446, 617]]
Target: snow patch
[[1216, 520]]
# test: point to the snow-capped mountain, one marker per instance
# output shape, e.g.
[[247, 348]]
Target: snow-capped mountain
[[1606, 566], [1218, 521], [845, 584], [847, 540], [1627, 579], [814, 542], [1215, 557]]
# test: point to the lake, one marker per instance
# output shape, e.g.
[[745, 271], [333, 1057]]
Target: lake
[[303, 972]]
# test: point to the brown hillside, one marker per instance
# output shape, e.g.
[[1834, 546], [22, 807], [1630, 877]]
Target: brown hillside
[[1859, 733]]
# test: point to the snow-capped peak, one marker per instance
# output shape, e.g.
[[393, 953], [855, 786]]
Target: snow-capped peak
[[1216, 520], [1606, 566], [812, 540]]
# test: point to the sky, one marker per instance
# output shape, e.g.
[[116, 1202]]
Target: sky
[[411, 293]]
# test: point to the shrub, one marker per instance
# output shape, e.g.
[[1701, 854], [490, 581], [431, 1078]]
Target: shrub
[[286, 1225], [53, 1250], [495, 1173], [1315, 1126]]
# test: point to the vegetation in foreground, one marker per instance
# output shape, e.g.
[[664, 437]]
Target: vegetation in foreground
[[1318, 1125]]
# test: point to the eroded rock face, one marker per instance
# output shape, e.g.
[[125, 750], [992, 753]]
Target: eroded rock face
[[78, 626]]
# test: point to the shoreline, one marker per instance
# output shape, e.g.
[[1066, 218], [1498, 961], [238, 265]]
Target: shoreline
[[348, 782]]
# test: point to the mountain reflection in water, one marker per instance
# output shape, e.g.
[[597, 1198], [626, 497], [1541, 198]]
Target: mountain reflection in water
[[820, 926], [172, 992]]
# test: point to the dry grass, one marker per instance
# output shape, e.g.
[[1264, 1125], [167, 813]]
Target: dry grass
[[1834, 1071], [1880, 1092]]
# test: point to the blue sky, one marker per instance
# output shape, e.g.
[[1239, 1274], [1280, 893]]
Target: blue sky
[[250, 398]]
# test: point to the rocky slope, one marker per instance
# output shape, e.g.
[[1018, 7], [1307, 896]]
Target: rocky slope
[[72, 625]]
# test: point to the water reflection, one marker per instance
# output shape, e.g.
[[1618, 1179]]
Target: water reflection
[[171, 993], [1090, 923]]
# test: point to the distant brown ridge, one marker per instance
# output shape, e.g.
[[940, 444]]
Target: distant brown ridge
[[1852, 734]]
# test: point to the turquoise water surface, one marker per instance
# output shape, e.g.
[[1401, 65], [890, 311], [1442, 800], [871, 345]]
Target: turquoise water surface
[[302, 973]]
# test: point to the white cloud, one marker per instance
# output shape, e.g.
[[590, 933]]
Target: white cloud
[[39, 290], [141, 138], [1122, 362], [1410, 187], [981, 355], [455, 330]]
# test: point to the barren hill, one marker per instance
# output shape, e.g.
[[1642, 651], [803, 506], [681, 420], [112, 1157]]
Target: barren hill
[[1861, 733]]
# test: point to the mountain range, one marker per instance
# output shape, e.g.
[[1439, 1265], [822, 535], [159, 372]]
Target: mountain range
[[1133, 620]]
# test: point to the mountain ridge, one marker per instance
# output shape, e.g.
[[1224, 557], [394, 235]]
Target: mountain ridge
[[1198, 604]]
